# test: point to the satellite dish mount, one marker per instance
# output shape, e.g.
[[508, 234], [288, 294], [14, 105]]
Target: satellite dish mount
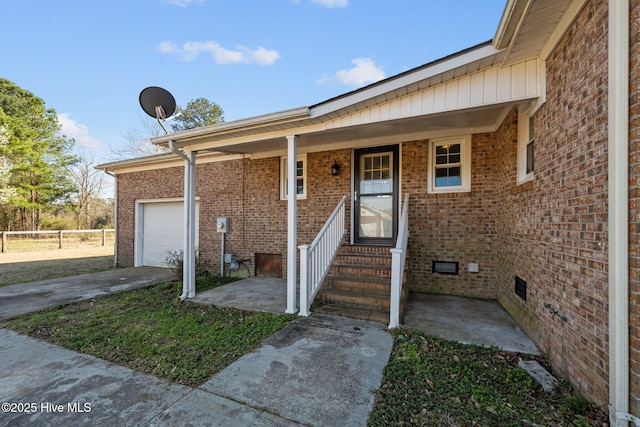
[[159, 104]]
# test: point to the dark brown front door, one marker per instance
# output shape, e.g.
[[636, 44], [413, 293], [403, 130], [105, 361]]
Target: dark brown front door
[[376, 195]]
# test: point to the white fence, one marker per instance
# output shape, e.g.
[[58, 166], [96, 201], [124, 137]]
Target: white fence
[[57, 235]]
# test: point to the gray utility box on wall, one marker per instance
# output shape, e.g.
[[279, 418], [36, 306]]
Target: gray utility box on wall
[[222, 225]]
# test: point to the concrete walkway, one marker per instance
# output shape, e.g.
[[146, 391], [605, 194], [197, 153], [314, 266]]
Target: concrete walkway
[[317, 371], [34, 296]]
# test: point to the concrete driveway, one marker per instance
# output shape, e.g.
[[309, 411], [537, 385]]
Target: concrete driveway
[[34, 296]]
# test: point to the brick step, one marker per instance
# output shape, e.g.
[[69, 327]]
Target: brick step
[[364, 259], [354, 312], [353, 298], [357, 284], [339, 270], [364, 250]]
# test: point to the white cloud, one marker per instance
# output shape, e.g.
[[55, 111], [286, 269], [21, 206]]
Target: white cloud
[[191, 50], [363, 72], [181, 3], [79, 132], [331, 3], [263, 56], [168, 48]]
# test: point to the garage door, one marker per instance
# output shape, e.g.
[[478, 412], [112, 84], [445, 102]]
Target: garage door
[[162, 232]]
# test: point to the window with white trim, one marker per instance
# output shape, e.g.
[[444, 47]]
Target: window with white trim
[[301, 177], [449, 165], [526, 145]]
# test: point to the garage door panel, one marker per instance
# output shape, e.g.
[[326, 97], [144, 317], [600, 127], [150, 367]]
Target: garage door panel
[[163, 231]]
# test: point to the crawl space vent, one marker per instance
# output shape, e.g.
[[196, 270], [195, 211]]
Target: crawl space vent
[[521, 288], [444, 267]]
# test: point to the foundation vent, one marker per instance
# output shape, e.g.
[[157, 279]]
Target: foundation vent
[[521, 288], [444, 267]]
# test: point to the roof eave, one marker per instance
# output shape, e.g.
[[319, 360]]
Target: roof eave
[[509, 23], [227, 127], [119, 164]]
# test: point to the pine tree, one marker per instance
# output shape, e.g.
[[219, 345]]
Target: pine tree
[[35, 155]]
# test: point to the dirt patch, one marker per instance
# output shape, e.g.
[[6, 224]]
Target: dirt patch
[[30, 266]]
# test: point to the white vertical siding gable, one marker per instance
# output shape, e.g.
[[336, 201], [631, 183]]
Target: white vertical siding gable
[[498, 84]]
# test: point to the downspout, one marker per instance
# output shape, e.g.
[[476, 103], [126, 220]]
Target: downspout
[[618, 129], [189, 261], [115, 217]]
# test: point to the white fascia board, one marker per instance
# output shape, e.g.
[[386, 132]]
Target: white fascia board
[[155, 159], [223, 144], [221, 128], [509, 23], [168, 160]]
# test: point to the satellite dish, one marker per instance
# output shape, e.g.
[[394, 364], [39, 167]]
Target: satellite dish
[[157, 102]]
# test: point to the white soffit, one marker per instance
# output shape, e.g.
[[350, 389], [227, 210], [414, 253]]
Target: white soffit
[[530, 28]]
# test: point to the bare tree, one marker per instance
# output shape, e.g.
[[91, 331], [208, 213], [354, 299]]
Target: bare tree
[[139, 141], [89, 184]]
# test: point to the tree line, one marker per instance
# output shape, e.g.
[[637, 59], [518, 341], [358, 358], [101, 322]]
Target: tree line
[[43, 183]]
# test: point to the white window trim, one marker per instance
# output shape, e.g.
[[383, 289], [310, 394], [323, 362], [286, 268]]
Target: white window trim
[[283, 177], [465, 153], [524, 114]]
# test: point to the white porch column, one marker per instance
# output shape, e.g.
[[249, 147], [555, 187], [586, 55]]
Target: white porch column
[[189, 257], [292, 233]]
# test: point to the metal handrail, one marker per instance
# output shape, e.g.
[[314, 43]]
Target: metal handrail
[[316, 258]]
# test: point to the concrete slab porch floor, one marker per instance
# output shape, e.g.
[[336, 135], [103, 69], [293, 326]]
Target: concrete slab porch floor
[[466, 320]]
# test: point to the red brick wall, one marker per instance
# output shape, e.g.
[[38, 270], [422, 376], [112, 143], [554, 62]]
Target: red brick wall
[[634, 213], [248, 192], [452, 227], [553, 231]]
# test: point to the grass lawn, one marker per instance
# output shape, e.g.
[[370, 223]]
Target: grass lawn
[[428, 381], [146, 330], [434, 382]]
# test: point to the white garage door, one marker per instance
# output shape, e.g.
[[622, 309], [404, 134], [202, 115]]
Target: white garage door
[[162, 232]]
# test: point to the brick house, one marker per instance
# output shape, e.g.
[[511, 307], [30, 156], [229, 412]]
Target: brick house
[[520, 160]]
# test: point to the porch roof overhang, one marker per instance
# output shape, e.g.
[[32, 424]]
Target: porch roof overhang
[[463, 93]]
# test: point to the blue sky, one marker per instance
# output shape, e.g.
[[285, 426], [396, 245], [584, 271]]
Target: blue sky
[[89, 59]]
